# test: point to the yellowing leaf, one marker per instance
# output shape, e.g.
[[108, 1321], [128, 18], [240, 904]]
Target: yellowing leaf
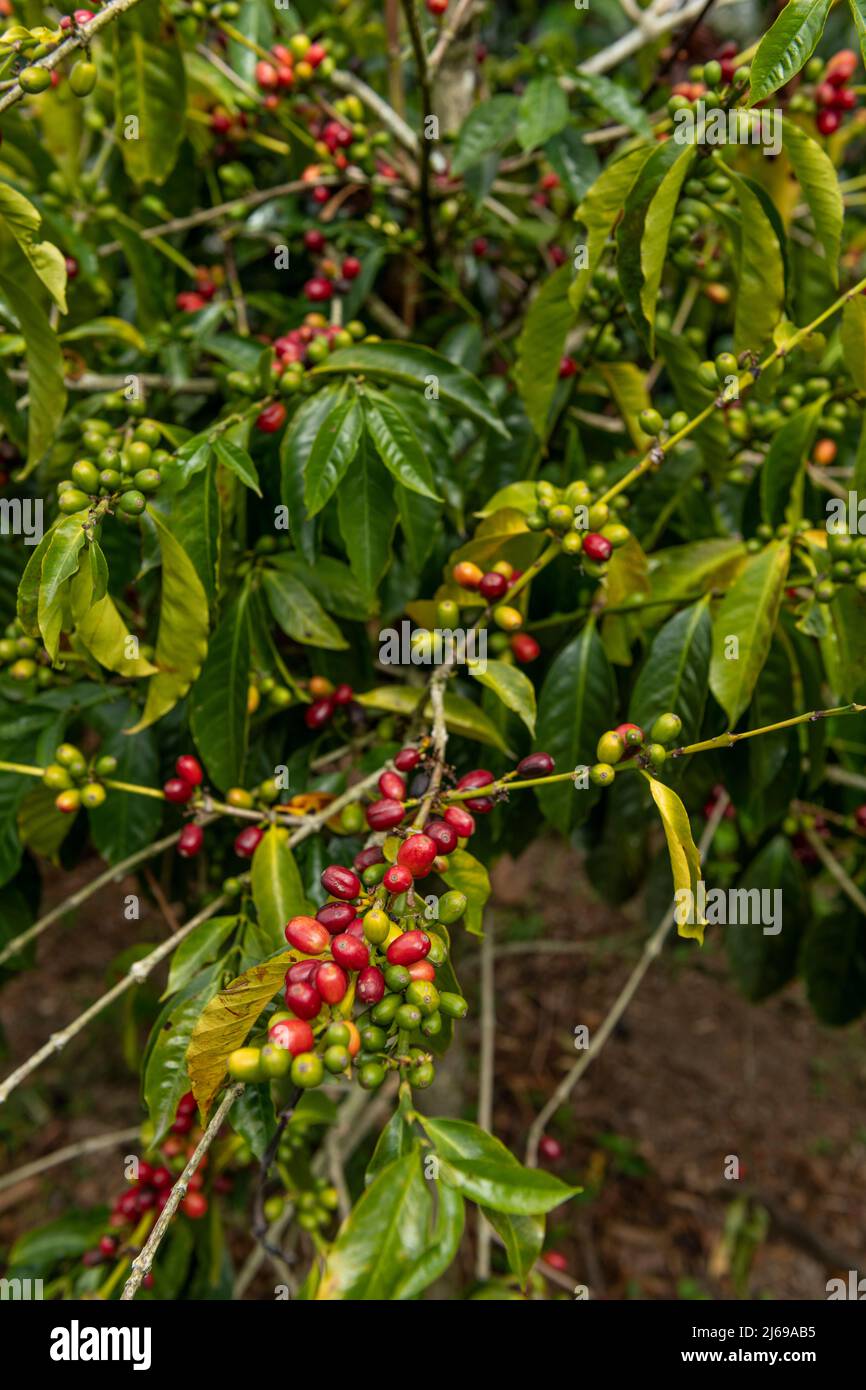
[[685, 859]]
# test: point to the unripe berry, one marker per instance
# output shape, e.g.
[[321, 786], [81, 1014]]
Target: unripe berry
[[307, 1070], [454, 1005], [452, 906], [93, 795], [467, 575], [244, 1064], [377, 925], [610, 747], [507, 618], [666, 728]]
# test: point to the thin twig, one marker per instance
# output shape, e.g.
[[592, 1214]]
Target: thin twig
[[835, 870], [82, 35], [450, 30], [95, 1144]]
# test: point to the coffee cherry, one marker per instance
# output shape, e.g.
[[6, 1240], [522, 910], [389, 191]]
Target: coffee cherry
[[550, 1148], [247, 842], [601, 775], [56, 778], [384, 815], [377, 926], [408, 1016], [34, 79], [272, 418], [651, 422], [319, 713], [293, 1034], [331, 982], [860, 816], [507, 618], [824, 452], [190, 842], [392, 786], [73, 500], [340, 882], [417, 855], [398, 879], [666, 728], [493, 586], [303, 1000], [443, 835], [454, 1005], [372, 1074], [336, 916], [828, 121], [610, 747], [349, 952], [132, 503], [67, 802], [536, 765], [190, 769], [406, 949], [656, 754], [239, 797], [85, 475], [307, 1070], [597, 548], [406, 759], [479, 777], [303, 972], [423, 994], [178, 790], [244, 1064], [308, 935], [370, 985], [467, 575], [452, 906], [275, 1061], [385, 1011], [460, 819], [524, 647]]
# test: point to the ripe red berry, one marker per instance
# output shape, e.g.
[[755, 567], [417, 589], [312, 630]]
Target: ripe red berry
[[318, 290], [343, 695], [596, 547], [417, 854], [365, 858], [349, 952], [384, 815], [319, 713], [860, 816], [406, 759], [567, 366], [315, 54], [351, 268], [437, 7], [247, 842], [194, 1205], [555, 1259], [71, 267], [314, 239], [493, 586], [443, 835], [524, 647], [293, 1034], [336, 916], [480, 247], [392, 786], [331, 982], [846, 99], [107, 1245], [320, 194], [828, 122], [308, 935], [371, 985], [190, 769], [536, 765], [303, 1000], [272, 418], [397, 879], [177, 789], [825, 94], [550, 1148], [478, 777], [461, 820], [481, 805], [841, 67], [303, 972], [190, 842], [189, 301], [340, 882], [267, 76], [411, 946], [422, 970], [161, 1178]]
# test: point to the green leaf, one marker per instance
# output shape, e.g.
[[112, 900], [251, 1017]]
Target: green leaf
[[523, 1238], [541, 345], [278, 891], [511, 685], [488, 128], [599, 212], [482, 1168], [100, 628], [656, 231], [27, 602], [106, 326], [787, 46], [468, 875], [419, 520], [383, 1238], [45, 368], [149, 86], [218, 707], [444, 1241], [630, 232], [398, 445], [334, 447], [198, 950], [684, 570], [181, 643], [330, 581], [675, 674], [125, 823], [298, 614], [627, 385], [24, 221], [681, 362], [684, 856], [853, 336], [763, 962], [61, 561], [858, 13], [760, 273], [574, 709], [614, 101], [238, 461], [844, 646], [65, 1239], [421, 368], [195, 518], [461, 716], [367, 515], [165, 1079], [252, 1117], [817, 177], [573, 160], [748, 613], [786, 458], [543, 111], [396, 1139]]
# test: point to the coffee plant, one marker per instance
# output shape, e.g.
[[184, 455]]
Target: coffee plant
[[424, 429]]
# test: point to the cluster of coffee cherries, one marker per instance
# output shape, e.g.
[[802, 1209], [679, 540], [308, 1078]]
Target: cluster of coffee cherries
[[847, 564], [124, 469], [314, 1206], [331, 277], [830, 96], [342, 137], [267, 687], [797, 823], [208, 280], [754, 420], [184, 787], [582, 523], [628, 742], [445, 833], [19, 656], [708, 186], [291, 65], [490, 588], [75, 780], [327, 699], [36, 43], [294, 351], [707, 81]]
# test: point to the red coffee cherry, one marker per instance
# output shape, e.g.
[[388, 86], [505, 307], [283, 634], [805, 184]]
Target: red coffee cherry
[[555, 1259], [272, 418], [314, 240], [318, 290], [408, 948], [493, 586], [525, 648], [331, 982], [247, 842], [460, 819], [308, 935], [422, 970], [319, 713], [190, 769], [371, 985], [596, 547], [194, 1205], [398, 879], [841, 67], [303, 972], [384, 815], [392, 786], [631, 734], [479, 777], [190, 842], [406, 759], [351, 268], [343, 695], [303, 1000], [293, 1034], [536, 765], [161, 1178], [860, 816], [443, 835], [550, 1148], [177, 789], [417, 854], [336, 916], [356, 928], [567, 366], [828, 123], [481, 805], [366, 858], [107, 1245], [341, 883], [349, 952], [467, 575], [266, 76]]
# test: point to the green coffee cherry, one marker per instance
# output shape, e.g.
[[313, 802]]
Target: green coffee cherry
[[666, 728], [610, 747], [452, 906], [82, 78], [307, 1070]]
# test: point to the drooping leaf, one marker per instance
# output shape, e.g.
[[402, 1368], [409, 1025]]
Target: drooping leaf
[[334, 447], [630, 230], [198, 950], [367, 515], [598, 213], [684, 856], [398, 445], [817, 177], [483, 1169], [45, 369], [60, 563], [238, 461], [165, 1077], [761, 273], [461, 715], [150, 100], [656, 231], [786, 457], [383, 1238], [218, 706], [541, 345], [853, 335], [762, 958], [24, 222]]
